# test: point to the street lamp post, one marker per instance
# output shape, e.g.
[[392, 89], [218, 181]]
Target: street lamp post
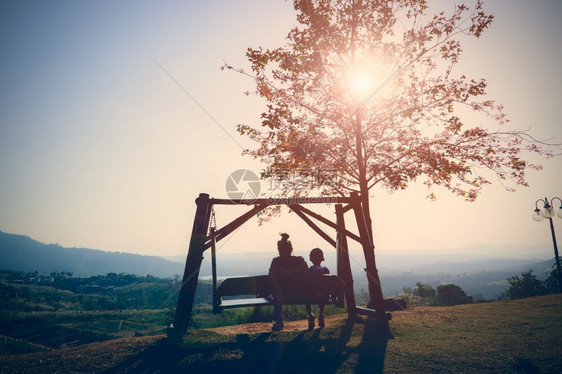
[[548, 212]]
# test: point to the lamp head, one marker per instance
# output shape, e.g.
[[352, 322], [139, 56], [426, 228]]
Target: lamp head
[[548, 211], [559, 213], [537, 216]]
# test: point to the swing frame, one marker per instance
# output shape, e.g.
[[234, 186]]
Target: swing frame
[[201, 241]]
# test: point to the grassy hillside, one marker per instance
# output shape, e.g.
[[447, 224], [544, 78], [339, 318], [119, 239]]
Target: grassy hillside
[[520, 336]]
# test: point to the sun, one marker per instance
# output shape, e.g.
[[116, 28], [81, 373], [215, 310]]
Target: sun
[[362, 83], [367, 79]]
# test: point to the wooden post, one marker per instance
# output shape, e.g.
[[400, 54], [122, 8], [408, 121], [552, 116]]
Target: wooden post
[[192, 265], [344, 267], [375, 289]]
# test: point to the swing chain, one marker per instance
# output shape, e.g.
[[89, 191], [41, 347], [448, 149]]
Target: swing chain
[[213, 225]]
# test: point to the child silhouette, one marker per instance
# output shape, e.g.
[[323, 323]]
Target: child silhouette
[[316, 257]]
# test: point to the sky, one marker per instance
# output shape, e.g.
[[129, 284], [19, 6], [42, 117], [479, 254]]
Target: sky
[[114, 116]]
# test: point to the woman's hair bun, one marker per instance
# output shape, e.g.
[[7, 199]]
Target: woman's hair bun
[[284, 245]]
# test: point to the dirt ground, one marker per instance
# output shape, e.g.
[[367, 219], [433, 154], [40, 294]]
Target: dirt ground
[[119, 355]]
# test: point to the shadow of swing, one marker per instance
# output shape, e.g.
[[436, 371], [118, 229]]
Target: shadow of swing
[[357, 346]]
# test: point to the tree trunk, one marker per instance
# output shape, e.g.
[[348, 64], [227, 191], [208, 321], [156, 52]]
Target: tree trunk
[[375, 290]]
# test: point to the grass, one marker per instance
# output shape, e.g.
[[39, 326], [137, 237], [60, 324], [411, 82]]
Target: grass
[[11, 346], [70, 328], [510, 336], [520, 336]]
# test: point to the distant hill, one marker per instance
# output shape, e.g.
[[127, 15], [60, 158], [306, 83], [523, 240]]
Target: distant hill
[[477, 276], [18, 252], [488, 282]]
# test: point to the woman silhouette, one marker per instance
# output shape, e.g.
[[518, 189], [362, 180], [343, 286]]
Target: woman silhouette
[[283, 271]]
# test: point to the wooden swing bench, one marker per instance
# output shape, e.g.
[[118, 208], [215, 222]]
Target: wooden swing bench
[[260, 290]]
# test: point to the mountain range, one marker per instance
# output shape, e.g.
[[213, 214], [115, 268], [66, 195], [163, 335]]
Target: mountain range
[[18, 252], [473, 268]]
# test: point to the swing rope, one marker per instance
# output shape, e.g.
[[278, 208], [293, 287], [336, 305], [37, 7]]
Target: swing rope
[[212, 229], [213, 222]]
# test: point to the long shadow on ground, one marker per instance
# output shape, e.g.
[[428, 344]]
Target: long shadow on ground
[[357, 346]]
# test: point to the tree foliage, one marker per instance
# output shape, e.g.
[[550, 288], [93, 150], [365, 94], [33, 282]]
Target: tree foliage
[[525, 286], [422, 120], [551, 283], [421, 294], [424, 291], [451, 294]]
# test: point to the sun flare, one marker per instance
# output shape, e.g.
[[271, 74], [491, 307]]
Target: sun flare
[[362, 83], [368, 78]]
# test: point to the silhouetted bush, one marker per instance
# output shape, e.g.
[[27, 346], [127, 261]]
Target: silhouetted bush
[[451, 294], [526, 286], [422, 294]]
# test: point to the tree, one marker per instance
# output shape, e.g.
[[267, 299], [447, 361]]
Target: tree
[[422, 294], [404, 128], [526, 286], [420, 121], [551, 283], [451, 294], [424, 291]]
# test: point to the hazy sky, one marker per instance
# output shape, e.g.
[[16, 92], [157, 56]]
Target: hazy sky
[[101, 148]]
